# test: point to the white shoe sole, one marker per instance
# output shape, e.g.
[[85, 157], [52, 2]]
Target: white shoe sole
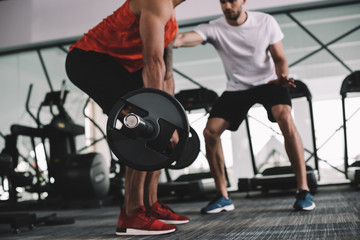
[[174, 221], [310, 207], [132, 231], [226, 208]]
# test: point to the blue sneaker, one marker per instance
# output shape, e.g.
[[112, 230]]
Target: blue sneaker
[[218, 204], [304, 201]]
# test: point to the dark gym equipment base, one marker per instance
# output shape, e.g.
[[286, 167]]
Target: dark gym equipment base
[[17, 220], [353, 173], [276, 182], [192, 185]]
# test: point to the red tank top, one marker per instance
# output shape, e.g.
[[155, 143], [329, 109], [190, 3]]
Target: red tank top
[[118, 36]]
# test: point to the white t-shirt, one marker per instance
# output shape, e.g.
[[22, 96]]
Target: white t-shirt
[[244, 49]]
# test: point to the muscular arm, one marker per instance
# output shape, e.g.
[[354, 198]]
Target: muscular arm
[[169, 78], [188, 39], [281, 66], [277, 53], [153, 17]]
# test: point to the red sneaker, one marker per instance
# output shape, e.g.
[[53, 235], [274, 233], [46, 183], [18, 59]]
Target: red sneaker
[[141, 223], [165, 214]]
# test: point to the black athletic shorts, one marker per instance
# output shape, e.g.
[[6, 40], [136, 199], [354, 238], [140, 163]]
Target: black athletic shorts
[[101, 77], [234, 106]]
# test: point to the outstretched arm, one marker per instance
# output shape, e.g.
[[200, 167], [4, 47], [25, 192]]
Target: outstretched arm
[[281, 66], [188, 39]]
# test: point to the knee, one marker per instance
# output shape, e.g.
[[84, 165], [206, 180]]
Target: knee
[[210, 135], [285, 120]]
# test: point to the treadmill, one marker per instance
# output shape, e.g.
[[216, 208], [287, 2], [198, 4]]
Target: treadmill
[[283, 177], [350, 84], [195, 184]]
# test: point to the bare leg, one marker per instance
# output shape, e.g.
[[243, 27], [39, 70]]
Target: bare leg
[[151, 187], [134, 189], [159, 210], [293, 143], [212, 132]]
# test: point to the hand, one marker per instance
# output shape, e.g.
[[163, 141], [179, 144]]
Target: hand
[[125, 111], [174, 140], [284, 81]]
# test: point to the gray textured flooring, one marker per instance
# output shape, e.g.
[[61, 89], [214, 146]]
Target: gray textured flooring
[[337, 216]]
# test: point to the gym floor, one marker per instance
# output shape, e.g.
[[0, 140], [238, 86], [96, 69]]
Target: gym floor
[[259, 216]]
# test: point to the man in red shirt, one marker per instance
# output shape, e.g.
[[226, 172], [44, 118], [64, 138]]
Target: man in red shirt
[[128, 50]]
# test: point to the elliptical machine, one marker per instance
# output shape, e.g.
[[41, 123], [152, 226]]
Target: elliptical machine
[[70, 175]]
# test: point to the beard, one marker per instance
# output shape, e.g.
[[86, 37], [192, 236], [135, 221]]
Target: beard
[[232, 16]]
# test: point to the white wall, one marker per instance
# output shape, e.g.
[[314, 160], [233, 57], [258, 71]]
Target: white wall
[[33, 21]]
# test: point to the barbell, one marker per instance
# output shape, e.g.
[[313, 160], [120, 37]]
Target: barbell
[[140, 126]]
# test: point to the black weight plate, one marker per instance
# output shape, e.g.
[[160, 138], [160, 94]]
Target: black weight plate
[[190, 152], [143, 153]]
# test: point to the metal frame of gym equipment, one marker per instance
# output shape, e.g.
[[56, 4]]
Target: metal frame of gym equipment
[[350, 84], [282, 177]]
